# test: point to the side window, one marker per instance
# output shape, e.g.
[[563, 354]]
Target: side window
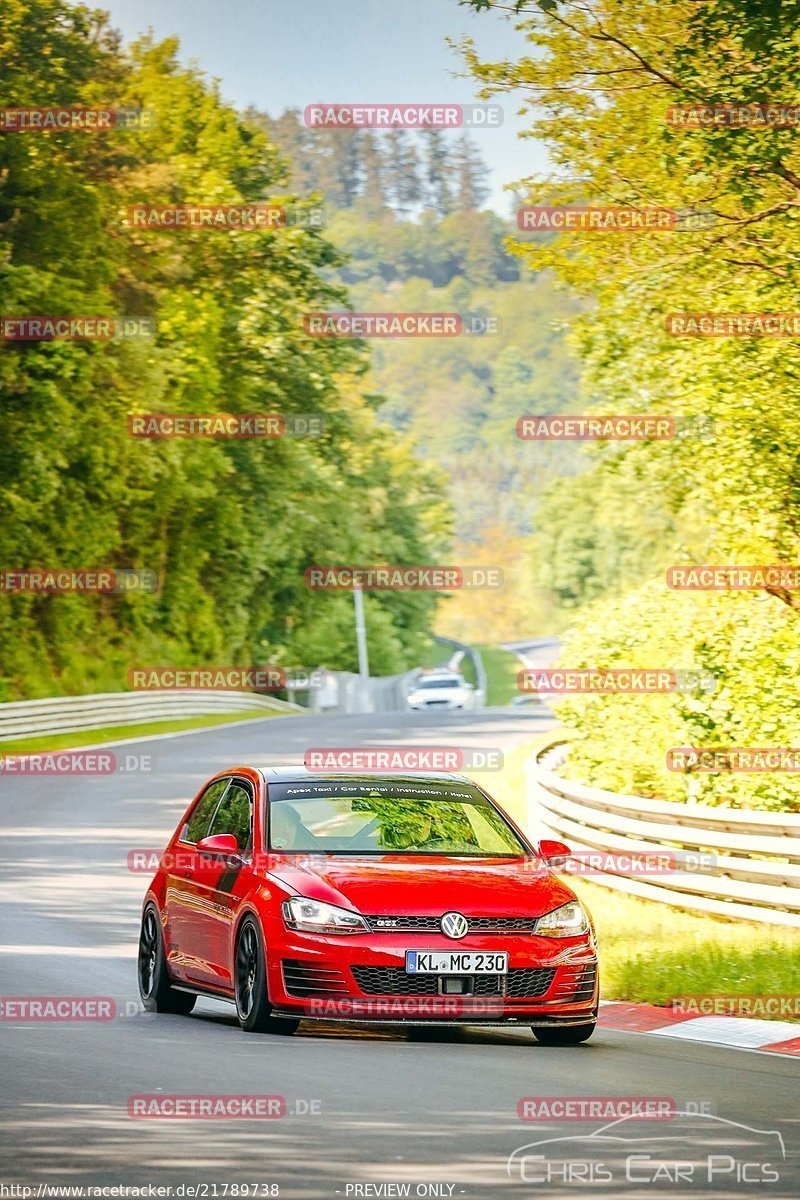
[[235, 815], [200, 819]]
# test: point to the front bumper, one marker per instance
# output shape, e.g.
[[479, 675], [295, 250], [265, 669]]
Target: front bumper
[[551, 981]]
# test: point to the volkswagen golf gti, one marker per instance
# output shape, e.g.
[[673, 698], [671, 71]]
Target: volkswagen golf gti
[[369, 898]]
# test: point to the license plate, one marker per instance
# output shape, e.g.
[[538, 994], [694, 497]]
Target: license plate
[[453, 962]]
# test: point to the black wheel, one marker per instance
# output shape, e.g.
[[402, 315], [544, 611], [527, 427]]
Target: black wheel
[[250, 984], [158, 994], [567, 1035]]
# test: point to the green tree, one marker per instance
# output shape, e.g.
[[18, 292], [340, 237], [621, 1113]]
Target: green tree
[[601, 82], [374, 174], [438, 172], [402, 171], [230, 526], [469, 171]]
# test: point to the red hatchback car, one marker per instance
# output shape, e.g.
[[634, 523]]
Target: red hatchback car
[[383, 898]]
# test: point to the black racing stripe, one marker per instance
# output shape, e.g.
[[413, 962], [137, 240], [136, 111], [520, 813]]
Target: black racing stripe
[[227, 879]]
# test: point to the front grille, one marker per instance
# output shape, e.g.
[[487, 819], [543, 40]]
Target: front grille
[[529, 981], [388, 923], [576, 983], [313, 979], [393, 981], [405, 924]]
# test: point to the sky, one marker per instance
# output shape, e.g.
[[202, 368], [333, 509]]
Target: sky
[[276, 55]]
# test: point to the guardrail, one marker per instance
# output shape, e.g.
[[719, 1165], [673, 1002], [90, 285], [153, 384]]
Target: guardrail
[[346, 692], [754, 873], [73, 714], [477, 663]]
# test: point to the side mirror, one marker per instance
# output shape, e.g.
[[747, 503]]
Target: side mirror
[[220, 845], [555, 854]]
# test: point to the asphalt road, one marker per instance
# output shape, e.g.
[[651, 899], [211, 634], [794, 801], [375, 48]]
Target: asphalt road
[[369, 1112]]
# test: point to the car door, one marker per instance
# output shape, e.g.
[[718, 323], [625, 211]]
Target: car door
[[204, 889], [180, 898], [227, 882]]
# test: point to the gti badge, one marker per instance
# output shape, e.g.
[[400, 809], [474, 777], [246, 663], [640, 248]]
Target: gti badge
[[454, 925]]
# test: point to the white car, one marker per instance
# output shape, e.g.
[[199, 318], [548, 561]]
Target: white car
[[441, 690]]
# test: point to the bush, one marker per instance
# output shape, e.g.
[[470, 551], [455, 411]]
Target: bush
[[748, 641]]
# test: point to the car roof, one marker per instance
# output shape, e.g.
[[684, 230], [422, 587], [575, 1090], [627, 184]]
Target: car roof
[[299, 774]]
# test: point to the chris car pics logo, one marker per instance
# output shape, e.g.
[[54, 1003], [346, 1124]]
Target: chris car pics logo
[[698, 1153]]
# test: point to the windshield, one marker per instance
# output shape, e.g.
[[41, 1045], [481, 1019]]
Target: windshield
[[441, 683], [388, 818]]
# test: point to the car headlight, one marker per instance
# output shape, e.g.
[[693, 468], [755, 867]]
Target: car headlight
[[313, 916], [567, 921]]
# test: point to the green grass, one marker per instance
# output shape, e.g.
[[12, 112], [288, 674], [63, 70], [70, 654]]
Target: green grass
[[508, 786], [435, 654], [500, 666], [112, 733], [438, 654], [652, 952], [501, 675]]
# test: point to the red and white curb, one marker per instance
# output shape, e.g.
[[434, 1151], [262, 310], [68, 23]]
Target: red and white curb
[[743, 1033]]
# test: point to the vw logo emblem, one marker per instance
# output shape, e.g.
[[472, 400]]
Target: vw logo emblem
[[454, 925]]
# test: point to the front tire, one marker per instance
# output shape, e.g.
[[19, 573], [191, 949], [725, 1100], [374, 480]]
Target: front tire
[[157, 993], [567, 1035], [250, 984]]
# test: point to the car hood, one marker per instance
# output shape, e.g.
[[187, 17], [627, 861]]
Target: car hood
[[421, 885]]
